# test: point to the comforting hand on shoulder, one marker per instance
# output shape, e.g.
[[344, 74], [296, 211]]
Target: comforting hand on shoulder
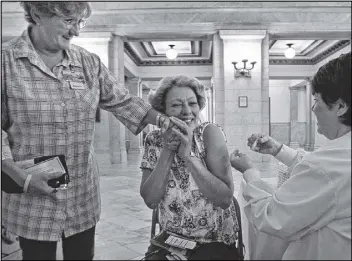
[[185, 134]]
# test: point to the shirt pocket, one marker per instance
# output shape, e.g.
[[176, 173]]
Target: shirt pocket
[[88, 98], [86, 91]]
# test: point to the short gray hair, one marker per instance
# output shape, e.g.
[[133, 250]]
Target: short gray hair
[[64, 8], [157, 100]]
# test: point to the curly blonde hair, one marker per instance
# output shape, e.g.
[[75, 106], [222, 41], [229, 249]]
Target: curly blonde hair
[[157, 100], [48, 8]]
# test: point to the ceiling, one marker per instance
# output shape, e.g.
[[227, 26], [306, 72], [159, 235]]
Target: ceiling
[[308, 52], [152, 53], [317, 29]]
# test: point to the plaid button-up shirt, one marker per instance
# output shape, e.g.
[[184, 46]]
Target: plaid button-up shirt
[[43, 114]]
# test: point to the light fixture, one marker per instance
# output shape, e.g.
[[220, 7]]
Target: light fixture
[[290, 52], [244, 71], [171, 53]]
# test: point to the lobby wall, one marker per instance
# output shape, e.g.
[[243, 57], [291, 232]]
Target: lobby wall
[[279, 94]]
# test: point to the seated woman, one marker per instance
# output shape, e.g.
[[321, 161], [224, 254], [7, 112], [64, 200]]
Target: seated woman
[[187, 174]]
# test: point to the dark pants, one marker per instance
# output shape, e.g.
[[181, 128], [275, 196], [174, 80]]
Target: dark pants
[[209, 251], [77, 247]]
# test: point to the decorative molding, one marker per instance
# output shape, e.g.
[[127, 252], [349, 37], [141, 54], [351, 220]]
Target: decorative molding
[[338, 46], [271, 43], [299, 86], [318, 43], [242, 34], [130, 53], [309, 47], [147, 46], [151, 52], [331, 50], [290, 62], [178, 62]]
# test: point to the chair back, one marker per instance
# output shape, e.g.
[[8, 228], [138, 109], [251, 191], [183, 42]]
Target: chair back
[[240, 246], [155, 221]]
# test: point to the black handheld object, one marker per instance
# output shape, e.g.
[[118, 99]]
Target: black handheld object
[[9, 186]]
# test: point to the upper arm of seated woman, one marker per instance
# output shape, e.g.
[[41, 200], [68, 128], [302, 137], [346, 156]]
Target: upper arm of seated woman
[[217, 156]]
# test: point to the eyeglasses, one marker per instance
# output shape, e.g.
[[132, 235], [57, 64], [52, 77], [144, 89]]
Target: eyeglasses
[[72, 22]]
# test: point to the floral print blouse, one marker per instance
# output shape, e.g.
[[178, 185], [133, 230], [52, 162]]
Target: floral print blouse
[[184, 210]]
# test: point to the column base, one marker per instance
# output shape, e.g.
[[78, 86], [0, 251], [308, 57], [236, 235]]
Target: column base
[[315, 147], [135, 150], [118, 157], [294, 145], [134, 155], [309, 147]]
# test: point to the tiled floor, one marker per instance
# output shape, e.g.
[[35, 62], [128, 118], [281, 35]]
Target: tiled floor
[[123, 231]]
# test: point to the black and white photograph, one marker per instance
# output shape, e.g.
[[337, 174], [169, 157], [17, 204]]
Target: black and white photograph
[[176, 130]]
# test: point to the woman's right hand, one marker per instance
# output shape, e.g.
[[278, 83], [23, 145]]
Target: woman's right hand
[[39, 182], [264, 144], [170, 140]]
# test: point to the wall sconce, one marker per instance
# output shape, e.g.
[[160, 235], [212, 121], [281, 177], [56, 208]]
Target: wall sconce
[[244, 71]]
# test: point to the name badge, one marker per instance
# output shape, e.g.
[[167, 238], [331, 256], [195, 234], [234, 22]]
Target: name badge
[[77, 85]]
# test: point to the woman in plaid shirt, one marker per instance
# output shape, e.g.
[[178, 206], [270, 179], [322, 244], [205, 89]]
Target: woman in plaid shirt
[[50, 93]]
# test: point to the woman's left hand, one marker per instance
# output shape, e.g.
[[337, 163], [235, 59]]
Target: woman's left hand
[[240, 161], [185, 134], [164, 123]]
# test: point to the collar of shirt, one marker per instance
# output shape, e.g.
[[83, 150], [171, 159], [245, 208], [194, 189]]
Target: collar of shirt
[[25, 48], [343, 141]]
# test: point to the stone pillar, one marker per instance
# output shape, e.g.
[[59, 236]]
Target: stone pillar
[[241, 122], [116, 129], [135, 141], [309, 144], [209, 106], [204, 114], [265, 91], [218, 80], [294, 117], [145, 93]]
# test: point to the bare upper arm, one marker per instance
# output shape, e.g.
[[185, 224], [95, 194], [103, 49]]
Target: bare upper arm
[[217, 156]]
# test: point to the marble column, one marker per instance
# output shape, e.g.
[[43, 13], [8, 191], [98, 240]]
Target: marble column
[[204, 114], [117, 129], [211, 107], [135, 141], [294, 117], [218, 79], [310, 135], [209, 112], [241, 122]]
